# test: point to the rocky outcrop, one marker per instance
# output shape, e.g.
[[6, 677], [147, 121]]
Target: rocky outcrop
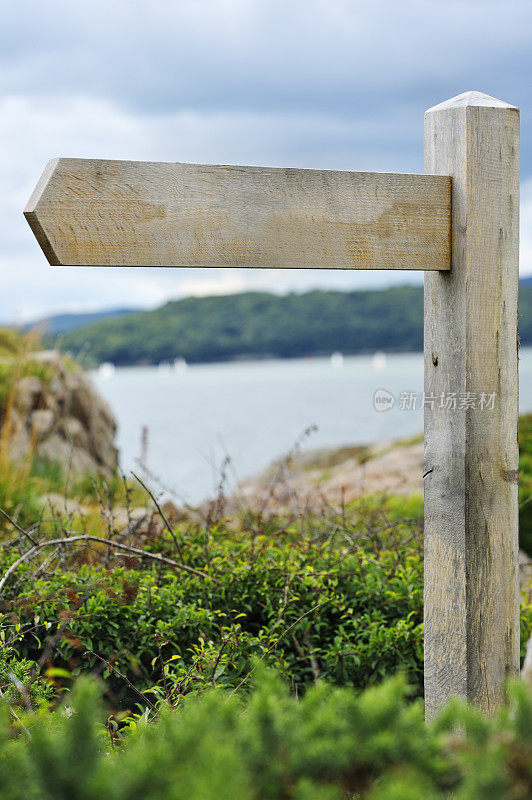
[[526, 671], [57, 414], [321, 478]]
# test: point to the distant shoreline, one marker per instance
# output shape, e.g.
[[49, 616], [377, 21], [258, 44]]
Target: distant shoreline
[[250, 359], [257, 359]]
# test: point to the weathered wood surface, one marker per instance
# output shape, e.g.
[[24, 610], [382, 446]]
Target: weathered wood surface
[[471, 455], [124, 213]]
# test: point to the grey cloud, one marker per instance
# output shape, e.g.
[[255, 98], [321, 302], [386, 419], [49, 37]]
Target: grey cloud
[[317, 83], [380, 62], [343, 57]]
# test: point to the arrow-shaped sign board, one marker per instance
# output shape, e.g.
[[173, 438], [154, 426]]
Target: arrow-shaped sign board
[[134, 213]]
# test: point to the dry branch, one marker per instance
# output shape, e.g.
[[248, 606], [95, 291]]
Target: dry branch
[[86, 537]]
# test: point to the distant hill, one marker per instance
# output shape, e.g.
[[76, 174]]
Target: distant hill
[[259, 325], [60, 323]]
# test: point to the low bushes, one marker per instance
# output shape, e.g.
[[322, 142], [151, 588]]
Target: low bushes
[[338, 599], [332, 744], [339, 602]]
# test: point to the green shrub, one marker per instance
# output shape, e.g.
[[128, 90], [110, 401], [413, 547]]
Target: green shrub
[[347, 609], [20, 682], [349, 613], [331, 744], [525, 482]]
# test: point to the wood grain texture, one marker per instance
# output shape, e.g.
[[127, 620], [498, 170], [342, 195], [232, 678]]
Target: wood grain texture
[[471, 454], [124, 213]]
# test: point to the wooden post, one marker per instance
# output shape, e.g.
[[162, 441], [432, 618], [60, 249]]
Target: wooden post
[[471, 450]]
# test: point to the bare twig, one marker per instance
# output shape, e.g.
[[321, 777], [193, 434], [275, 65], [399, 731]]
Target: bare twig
[[309, 658], [18, 527], [279, 477], [159, 650], [86, 537], [312, 659], [219, 656], [112, 668], [161, 514]]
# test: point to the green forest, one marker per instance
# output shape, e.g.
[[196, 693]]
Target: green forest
[[262, 325], [256, 324]]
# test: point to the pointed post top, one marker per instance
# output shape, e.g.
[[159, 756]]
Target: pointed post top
[[468, 100]]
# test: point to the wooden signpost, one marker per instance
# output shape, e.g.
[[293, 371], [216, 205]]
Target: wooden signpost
[[459, 223]]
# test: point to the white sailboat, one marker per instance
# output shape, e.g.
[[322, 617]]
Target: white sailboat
[[378, 361], [106, 370], [337, 360], [180, 365]]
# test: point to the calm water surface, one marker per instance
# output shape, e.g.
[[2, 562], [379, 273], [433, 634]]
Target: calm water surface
[[255, 411]]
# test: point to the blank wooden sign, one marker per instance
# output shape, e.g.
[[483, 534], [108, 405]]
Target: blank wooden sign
[[129, 213]]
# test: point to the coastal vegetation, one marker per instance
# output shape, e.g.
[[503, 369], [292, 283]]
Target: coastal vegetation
[[219, 652]]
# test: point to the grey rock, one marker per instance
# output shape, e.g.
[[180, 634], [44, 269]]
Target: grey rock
[[526, 672], [74, 432], [29, 391], [61, 418], [42, 422], [316, 480]]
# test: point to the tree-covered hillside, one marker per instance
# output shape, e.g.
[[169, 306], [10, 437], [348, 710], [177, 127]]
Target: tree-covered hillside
[[257, 324]]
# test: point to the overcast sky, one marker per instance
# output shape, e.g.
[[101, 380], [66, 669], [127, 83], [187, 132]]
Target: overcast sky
[[338, 84]]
